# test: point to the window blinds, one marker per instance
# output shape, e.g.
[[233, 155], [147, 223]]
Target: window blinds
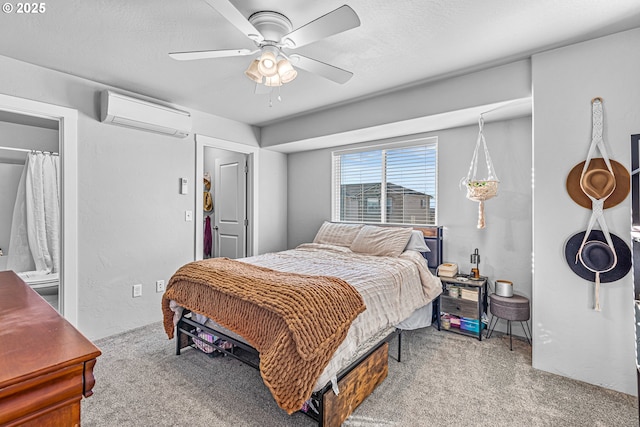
[[394, 184]]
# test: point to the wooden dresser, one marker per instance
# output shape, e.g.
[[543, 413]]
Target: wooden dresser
[[46, 365]]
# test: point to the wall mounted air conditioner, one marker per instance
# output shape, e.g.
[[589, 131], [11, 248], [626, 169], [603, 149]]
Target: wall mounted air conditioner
[[135, 113]]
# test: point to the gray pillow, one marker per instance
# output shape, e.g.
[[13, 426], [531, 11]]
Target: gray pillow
[[381, 241], [333, 233], [417, 243]]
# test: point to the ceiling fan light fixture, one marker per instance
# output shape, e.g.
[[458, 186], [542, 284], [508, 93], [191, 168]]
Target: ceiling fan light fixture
[[272, 81], [253, 72], [286, 71], [267, 64]]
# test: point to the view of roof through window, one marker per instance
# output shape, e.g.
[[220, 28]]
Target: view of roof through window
[[404, 178]]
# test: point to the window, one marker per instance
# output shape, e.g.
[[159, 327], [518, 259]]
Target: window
[[373, 205], [402, 174]]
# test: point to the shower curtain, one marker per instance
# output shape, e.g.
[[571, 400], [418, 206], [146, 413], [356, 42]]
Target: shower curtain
[[34, 245]]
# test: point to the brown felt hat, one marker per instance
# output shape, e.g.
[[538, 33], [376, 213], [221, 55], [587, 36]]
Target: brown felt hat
[[597, 181], [207, 203], [206, 181]]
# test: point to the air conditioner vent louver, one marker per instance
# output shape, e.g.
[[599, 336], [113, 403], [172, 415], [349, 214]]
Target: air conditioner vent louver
[[135, 113]]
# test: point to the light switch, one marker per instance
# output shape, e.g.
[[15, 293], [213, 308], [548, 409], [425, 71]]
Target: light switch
[[184, 187], [188, 216]]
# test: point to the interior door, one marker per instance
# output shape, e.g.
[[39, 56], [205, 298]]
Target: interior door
[[230, 205]]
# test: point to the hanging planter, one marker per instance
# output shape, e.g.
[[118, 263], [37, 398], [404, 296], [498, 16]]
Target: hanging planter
[[481, 189]]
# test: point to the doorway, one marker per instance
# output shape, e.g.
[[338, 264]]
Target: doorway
[[228, 223], [65, 119], [225, 221]]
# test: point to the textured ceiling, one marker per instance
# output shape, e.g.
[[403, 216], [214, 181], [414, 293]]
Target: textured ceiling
[[125, 43]]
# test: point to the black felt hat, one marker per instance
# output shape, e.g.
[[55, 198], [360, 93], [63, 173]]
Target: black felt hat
[[596, 255]]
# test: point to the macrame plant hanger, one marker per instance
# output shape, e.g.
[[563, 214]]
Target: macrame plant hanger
[[478, 189]]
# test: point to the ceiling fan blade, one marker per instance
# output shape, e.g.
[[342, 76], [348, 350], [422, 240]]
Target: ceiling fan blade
[[233, 15], [327, 71], [342, 19], [208, 54]]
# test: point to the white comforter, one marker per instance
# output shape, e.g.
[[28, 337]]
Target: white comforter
[[392, 288]]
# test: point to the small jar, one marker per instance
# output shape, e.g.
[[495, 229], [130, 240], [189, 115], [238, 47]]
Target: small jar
[[446, 322], [454, 292]]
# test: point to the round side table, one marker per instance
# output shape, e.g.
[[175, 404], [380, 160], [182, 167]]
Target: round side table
[[515, 308]]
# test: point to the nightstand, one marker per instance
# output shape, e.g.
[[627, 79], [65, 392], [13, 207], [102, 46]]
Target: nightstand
[[462, 304]]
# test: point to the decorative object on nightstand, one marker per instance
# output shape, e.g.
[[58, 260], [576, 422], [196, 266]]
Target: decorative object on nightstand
[[512, 309], [463, 304], [504, 288], [475, 259], [447, 269]]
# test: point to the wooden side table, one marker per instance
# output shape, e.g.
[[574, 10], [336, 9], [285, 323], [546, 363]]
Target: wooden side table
[[46, 363]]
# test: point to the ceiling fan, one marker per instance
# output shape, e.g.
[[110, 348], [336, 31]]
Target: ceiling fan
[[272, 32]]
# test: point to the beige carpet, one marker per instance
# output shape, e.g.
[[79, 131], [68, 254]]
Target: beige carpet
[[444, 379]]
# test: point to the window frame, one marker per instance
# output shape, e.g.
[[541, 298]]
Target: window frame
[[405, 142]]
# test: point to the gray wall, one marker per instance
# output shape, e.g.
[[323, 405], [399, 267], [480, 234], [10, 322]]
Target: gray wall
[[10, 174], [272, 202], [25, 136], [131, 227], [571, 338], [409, 105], [504, 245]]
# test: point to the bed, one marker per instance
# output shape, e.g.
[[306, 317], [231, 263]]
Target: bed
[[319, 316]]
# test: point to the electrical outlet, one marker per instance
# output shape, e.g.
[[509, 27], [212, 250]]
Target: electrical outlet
[[188, 216], [137, 290], [159, 285]]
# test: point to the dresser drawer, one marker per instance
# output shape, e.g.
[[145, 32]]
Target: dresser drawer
[[459, 307]]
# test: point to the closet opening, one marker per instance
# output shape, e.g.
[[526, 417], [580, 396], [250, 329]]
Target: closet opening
[[224, 208]]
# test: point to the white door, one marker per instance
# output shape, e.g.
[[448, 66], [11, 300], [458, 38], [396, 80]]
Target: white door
[[230, 205]]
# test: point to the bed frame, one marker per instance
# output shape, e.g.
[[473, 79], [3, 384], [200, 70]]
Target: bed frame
[[433, 238], [355, 382]]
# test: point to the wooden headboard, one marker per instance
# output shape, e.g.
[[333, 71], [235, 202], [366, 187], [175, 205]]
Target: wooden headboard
[[433, 239]]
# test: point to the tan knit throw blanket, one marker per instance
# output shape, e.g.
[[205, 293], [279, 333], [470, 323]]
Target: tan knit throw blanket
[[295, 321]]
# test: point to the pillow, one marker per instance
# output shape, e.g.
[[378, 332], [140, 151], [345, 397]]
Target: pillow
[[331, 233], [381, 241], [417, 243]]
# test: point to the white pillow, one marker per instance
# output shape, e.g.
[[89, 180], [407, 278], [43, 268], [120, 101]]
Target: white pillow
[[417, 243], [332, 233], [381, 241]]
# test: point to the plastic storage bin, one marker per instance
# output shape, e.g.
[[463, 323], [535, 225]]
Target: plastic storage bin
[[471, 325]]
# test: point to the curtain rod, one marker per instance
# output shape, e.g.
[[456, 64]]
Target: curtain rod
[[27, 150]]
